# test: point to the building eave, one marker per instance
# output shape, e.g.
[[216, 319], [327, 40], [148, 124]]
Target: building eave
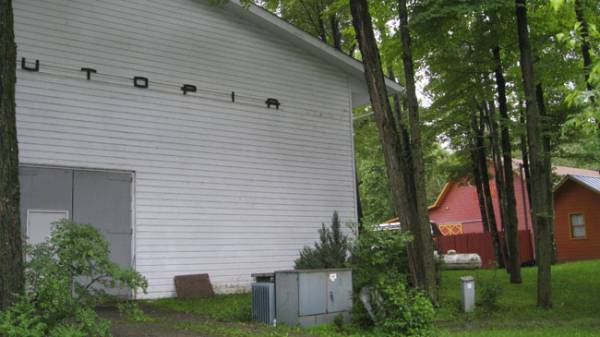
[[351, 66], [575, 180]]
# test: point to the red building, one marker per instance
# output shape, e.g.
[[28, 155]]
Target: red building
[[577, 218], [577, 212], [456, 210]]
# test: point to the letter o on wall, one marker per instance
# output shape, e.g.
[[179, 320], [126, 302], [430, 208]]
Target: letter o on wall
[[140, 82]]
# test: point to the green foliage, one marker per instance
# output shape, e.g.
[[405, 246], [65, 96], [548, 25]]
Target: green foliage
[[490, 292], [78, 254], [227, 308], [585, 123], [66, 277], [338, 322], [316, 17], [575, 312], [378, 254], [403, 311], [379, 265], [330, 252], [132, 311], [375, 193], [20, 320]]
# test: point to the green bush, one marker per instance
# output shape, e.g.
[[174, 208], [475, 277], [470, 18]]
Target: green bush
[[403, 311], [66, 278], [489, 293], [132, 312], [330, 252], [380, 269], [338, 322], [377, 253], [21, 320]]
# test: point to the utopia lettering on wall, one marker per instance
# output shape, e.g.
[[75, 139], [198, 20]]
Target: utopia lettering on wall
[[138, 81]]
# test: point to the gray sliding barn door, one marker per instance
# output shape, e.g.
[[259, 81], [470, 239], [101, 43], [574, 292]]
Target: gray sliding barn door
[[102, 199], [45, 197]]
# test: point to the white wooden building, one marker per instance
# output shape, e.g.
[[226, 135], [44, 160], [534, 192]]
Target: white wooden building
[[212, 181]]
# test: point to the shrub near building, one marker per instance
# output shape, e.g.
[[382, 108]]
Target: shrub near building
[[66, 278], [383, 298]]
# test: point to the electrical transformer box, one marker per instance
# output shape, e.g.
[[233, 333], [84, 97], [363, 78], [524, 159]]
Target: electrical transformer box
[[312, 297]]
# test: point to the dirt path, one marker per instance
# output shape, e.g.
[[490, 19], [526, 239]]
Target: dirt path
[[161, 323], [167, 323]]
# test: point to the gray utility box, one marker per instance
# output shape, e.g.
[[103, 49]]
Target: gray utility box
[[467, 287], [312, 297]]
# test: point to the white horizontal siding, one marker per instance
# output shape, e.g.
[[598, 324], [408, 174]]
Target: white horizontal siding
[[221, 188]]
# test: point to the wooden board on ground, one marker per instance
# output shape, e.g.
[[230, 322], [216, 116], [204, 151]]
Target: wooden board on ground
[[193, 286]]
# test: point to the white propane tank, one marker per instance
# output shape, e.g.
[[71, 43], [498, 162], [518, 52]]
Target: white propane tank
[[452, 260]]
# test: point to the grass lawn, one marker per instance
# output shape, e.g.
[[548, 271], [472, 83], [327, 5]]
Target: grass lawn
[[576, 312]]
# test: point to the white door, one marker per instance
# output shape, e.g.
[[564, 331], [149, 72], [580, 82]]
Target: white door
[[39, 223]]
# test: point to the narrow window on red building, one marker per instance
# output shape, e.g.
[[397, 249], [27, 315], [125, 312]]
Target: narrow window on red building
[[577, 226]]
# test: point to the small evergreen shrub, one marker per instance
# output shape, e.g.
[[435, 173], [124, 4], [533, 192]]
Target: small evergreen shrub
[[330, 252], [66, 278]]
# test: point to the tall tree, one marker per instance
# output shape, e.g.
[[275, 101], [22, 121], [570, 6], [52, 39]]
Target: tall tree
[[482, 182], [525, 172], [397, 153], [584, 31], [325, 19], [421, 228], [336, 35], [11, 255], [511, 226], [541, 184]]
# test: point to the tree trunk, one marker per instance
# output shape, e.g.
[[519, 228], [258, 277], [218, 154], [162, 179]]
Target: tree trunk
[[499, 247], [11, 251], [511, 225], [396, 151], [422, 228], [479, 187], [541, 186], [490, 112], [405, 139], [317, 21], [336, 35], [525, 155], [585, 43], [490, 119], [321, 28], [481, 178], [398, 110], [539, 91], [351, 50], [359, 212]]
